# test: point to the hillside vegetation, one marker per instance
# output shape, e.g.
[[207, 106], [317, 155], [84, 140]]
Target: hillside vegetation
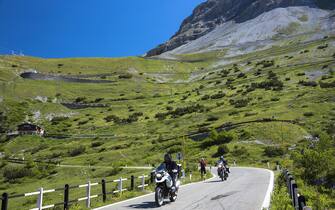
[[149, 106]]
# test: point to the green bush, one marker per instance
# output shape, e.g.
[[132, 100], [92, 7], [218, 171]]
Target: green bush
[[272, 151], [218, 139], [239, 151], [327, 84], [11, 172], [96, 144], [222, 150], [125, 76], [308, 83], [77, 151], [308, 114]]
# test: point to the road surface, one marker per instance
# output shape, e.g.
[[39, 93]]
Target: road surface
[[245, 189]]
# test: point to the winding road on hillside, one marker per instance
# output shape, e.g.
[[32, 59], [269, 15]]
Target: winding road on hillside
[[246, 188]]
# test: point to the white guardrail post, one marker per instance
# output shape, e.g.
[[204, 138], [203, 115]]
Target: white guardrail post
[[88, 194], [40, 199], [143, 185], [120, 186]]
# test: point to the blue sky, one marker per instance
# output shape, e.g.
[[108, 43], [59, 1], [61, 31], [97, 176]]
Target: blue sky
[[89, 28]]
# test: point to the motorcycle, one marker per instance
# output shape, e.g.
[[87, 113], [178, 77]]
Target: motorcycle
[[164, 185], [222, 171]]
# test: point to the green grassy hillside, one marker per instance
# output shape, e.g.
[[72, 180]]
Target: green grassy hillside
[[147, 105]]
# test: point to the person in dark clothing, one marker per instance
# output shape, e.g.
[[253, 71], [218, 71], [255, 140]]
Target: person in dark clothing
[[202, 167], [171, 167]]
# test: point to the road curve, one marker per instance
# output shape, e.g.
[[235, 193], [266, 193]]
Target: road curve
[[245, 189]]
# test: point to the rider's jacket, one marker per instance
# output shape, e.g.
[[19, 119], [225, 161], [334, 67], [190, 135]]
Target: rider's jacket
[[171, 165]]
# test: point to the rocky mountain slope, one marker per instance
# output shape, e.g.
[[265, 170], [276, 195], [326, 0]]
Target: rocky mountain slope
[[212, 14]]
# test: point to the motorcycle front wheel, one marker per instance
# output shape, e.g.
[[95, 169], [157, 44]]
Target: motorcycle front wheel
[[159, 197]]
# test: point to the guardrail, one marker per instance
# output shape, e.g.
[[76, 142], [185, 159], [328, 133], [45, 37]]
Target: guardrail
[[298, 200], [88, 186]]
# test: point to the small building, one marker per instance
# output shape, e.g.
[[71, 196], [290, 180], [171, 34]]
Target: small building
[[30, 129]]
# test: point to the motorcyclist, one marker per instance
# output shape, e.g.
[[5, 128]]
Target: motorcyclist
[[223, 162], [171, 166]]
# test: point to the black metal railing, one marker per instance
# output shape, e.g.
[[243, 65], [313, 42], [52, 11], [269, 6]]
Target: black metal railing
[[298, 200]]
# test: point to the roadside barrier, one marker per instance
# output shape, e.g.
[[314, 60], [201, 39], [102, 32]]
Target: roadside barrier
[[143, 182], [298, 200]]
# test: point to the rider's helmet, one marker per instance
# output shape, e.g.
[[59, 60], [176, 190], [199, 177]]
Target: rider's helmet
[[167, 157]]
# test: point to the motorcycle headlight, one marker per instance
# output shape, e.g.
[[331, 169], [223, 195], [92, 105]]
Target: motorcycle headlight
[[158, 176]]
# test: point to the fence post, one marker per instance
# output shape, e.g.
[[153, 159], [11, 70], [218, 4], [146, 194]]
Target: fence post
[[120, 185], [143, 182], [295, 195], [40, 199], [88, 194], [4, 204], [277, 166], [190, 177], [290, 180], [268, 163], [66, 197], [132, 182], [301, 202], [103, 185], [152, 177]]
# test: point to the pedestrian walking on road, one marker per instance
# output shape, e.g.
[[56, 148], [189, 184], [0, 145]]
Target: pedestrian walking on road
[[203, 164]]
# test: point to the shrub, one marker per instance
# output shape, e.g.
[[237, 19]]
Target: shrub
[[266, 63], [322, 47], [125, 76], [327, 85], [212, 118], [83, 122], [11, 172], [273, 83], [308, 83], [205, 97], [240, 75], [239, 151], [308, 114], [97, 100], [222, 149], [96, 144], [57, 120], [272, 151], [275, 99], [218, 95], [161, 116], [169, 108], [77, 151], [239, 103], [80, 99]]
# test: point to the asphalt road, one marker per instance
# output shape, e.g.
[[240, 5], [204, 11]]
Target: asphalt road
[[245, 189]]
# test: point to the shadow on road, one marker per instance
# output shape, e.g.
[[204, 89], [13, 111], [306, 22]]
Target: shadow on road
[[218, 197], [144, 205], [213, 181]]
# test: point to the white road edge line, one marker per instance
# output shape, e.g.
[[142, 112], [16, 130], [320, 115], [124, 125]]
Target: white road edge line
[[267, 199], [142, 196]]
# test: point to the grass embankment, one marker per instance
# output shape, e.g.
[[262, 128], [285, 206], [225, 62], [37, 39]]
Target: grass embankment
[[150, 101]]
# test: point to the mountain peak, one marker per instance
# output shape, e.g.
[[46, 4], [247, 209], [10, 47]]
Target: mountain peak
[[212, 13]]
